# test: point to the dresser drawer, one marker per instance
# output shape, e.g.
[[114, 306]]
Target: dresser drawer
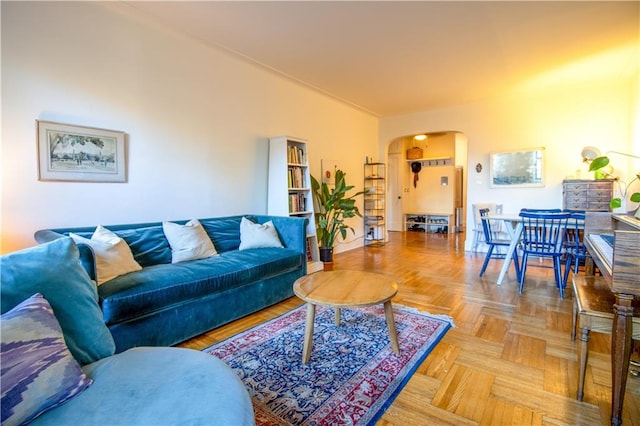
[[575, 205], [580, 187], [601, 199], [580, 199], [599, 205], [599, 193], [573, 192]]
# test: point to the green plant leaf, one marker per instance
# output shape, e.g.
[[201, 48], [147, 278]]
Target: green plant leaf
[[598, 163], [331, 207], [615, 203], [635, 197]]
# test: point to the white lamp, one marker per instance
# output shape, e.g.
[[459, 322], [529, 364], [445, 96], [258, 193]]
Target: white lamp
[[589, 153]]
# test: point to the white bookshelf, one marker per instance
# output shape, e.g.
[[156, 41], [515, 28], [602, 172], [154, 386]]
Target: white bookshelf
[[290, 189]]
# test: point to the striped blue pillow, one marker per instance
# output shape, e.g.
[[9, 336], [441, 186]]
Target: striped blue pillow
[[38, 371]]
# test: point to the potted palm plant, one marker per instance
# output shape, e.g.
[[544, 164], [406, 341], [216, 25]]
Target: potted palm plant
[[332, 206]]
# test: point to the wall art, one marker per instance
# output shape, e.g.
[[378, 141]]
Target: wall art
[[521, 168], [68, 152]]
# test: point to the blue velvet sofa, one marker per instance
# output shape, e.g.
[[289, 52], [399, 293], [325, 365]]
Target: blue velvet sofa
[[166, 303], [59, 366]]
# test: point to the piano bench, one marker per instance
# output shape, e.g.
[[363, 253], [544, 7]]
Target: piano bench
[[593, 306]]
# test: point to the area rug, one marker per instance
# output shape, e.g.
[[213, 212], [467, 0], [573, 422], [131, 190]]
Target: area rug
[[352, 376]]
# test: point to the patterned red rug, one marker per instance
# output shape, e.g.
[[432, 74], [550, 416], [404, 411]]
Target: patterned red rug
[[353, 375]]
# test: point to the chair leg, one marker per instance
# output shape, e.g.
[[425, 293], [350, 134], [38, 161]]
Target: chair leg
[[476, 241], [584, 354], [525, 257], [559, 275], [516, 263], [486, 260], [567, 266]]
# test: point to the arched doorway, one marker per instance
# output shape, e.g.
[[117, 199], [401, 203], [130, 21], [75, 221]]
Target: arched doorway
[[439, 186]]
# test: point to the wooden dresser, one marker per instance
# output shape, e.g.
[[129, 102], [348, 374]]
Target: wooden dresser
[[587, 195]]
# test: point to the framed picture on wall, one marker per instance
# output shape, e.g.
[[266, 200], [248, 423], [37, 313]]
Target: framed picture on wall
[[329, 168], [520, 168], [68, 152]]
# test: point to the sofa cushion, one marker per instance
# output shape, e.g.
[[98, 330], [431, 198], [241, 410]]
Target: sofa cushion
[[147, 243], [256, 235], [167, 286], [157, 386], [112, 254], [188, 241], [224, 232], [38, 371], [54, 270]]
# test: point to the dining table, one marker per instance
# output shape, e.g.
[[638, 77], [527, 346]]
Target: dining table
[[513, 226]]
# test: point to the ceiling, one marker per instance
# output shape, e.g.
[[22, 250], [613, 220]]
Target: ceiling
[[391, 58]]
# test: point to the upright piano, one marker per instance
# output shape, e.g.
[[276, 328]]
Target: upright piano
[[613, 243]]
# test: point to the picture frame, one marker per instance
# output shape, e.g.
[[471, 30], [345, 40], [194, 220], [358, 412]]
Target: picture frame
[[73, 153], [329, 168], [518, 168]]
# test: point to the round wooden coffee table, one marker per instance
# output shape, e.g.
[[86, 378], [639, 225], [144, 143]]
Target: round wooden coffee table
[[341, 289]]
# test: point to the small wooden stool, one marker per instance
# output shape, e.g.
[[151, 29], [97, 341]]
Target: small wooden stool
[[593, 302]]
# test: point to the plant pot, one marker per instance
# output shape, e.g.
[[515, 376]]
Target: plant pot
[[326, 254]]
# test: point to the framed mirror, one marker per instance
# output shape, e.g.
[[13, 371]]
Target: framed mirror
[[519, 168]]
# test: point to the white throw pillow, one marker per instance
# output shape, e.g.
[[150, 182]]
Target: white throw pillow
[[254, 235], [113, 255], [188, 242]]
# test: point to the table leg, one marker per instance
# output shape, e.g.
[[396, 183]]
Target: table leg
[[620, 353], [391, 325], [589, 266], [337, 317], [308, 332], [515, 234], [584, 357]]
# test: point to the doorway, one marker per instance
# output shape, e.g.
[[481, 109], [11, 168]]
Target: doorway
[[404, 198]]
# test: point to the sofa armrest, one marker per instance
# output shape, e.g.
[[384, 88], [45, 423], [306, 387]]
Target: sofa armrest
[[87, 257]]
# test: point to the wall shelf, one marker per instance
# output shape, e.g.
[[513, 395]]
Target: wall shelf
[[432, 162]]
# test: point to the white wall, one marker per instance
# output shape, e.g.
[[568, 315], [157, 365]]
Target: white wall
[[197, 120], [562, 117]]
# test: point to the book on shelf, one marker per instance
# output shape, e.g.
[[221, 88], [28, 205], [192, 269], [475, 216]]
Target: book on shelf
[[295, 155], [296, 177], [297, 203], [309, 256]]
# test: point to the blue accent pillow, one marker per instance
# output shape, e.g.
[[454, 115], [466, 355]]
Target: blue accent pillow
[[54, 270], [38, 371]]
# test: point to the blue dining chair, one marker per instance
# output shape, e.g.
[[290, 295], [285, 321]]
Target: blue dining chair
[[494, 244], [576, 251], [543, 234], [541, 210]]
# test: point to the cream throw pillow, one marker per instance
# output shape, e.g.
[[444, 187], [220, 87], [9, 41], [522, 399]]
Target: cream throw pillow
[[255, 235], [113, 255], [189, 241]]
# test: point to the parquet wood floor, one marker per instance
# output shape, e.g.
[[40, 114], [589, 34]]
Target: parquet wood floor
[[509, 361]]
